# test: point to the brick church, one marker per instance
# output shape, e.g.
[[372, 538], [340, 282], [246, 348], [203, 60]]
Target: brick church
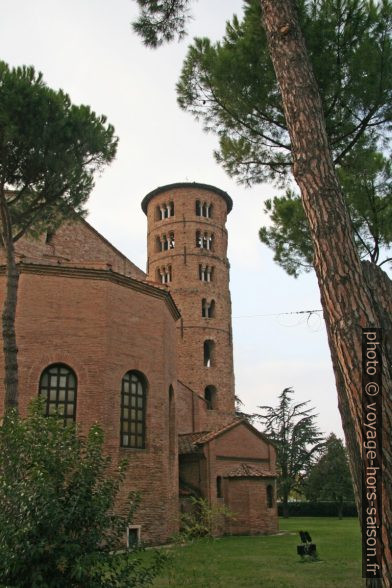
[[149, 357]]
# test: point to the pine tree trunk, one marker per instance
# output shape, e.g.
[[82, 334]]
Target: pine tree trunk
[[9, 311], [347, 301]]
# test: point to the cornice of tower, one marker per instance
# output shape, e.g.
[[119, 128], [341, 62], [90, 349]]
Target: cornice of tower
[[197, 185]]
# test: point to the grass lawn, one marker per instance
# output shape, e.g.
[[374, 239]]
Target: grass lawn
[[271, 561]]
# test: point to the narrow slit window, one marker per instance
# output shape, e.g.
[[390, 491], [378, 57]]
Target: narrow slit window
[[219, 493], [270, 496], [210, 397], [208, 353]]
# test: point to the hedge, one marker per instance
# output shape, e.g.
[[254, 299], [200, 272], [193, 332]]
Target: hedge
[[318, 509]]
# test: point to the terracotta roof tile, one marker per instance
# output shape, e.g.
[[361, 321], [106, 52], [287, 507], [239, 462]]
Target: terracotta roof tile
[[243, 470]]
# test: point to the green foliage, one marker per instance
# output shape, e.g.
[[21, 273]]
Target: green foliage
[[231, 86], [57, 524], [239, 405], [297, 439], [288, 236], [321, 508], [366, 179], [203, 519], [161, 21], [330, 478], [50, 150]]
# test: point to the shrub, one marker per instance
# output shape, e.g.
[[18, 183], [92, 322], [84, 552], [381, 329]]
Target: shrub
[[203, 519], [57, 523]]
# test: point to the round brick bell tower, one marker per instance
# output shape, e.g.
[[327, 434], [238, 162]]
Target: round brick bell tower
[[187, 251]]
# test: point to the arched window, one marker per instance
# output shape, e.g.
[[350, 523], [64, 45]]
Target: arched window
[[198, 208], [57, 386], [210, 397], [133, 410], [270, 496]]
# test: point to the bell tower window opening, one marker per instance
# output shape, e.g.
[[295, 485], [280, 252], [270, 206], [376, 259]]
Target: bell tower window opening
[[205, 273], [165, 243], [164, 274], [207, 308], [210, 397], [203, 209], [164, 211], [204, 240], [208, 349]]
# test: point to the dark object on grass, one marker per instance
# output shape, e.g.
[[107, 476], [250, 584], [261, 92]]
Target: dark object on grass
[[307, 548]]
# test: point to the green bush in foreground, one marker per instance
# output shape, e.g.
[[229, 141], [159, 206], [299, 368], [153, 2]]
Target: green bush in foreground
[[202, 520], [57, 525]]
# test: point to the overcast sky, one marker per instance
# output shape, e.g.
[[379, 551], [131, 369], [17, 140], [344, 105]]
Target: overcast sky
[[87, 48]]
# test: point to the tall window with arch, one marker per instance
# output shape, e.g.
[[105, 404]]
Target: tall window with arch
[[133, 410], [58, 387]]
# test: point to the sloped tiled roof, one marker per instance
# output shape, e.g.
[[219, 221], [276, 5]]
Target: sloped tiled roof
[[190, 442], [210, 435], [244, 470]]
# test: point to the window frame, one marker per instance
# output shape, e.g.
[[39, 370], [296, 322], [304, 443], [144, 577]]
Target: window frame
[[67, 388], [141, 379]]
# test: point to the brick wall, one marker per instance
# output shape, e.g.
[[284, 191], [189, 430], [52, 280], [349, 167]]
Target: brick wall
[[102, 329], [76, 243], [247, 499]]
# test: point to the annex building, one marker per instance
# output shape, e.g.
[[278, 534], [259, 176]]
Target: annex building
[[149, 357]]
